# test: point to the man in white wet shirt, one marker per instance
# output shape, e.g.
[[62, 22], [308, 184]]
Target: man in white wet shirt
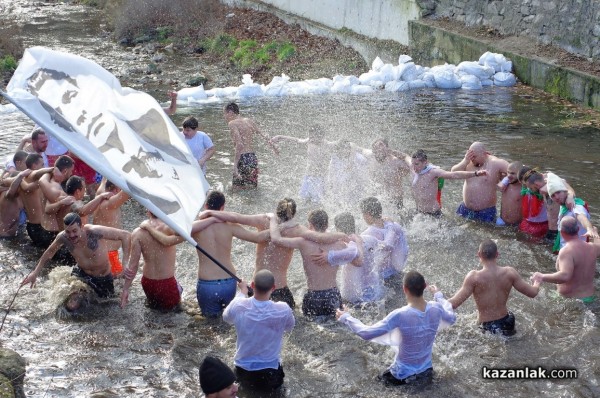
[[360, 281], [392, 238], [260, 324], [412, 328]]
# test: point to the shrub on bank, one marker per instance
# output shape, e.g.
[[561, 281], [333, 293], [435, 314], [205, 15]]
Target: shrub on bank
[[141, 20], [11, 48]]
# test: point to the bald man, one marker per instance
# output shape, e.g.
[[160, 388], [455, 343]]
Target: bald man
[[479, 194], [575, 264]]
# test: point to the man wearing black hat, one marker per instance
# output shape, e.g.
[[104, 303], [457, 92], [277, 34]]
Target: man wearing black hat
[[216, 379], [260, 324]]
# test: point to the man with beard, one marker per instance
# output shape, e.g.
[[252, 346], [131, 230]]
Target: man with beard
[[88, 245]]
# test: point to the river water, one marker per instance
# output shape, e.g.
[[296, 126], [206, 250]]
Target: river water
[[137, 352]]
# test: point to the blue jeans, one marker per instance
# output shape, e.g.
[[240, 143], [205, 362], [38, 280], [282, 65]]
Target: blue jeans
[[213, 296]]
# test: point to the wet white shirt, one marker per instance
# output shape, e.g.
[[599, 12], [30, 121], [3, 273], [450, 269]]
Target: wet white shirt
[[260, 326], [409, 329]]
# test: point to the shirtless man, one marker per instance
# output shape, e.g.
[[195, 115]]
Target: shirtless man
[[425, 182], [387, 168], [575, 265], [50, 185], [510, 209], [36, 142], [318, 154], [11, 205], [73, 200], [31, 196], [87, 244], [270, 256], [491, 288], [323, 296], [215, 287], [245, 162], [158, 280], [108, 214], [479, 194]]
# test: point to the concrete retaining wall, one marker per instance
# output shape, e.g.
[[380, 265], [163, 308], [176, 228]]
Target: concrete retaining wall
[[573, 25], [382, 19]]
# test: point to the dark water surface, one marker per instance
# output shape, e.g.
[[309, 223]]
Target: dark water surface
[[137, 352]]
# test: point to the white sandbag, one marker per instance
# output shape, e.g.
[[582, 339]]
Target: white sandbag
[[487, 82], [249, 88], [409, 73], [416, 84], [360, 89], [473, 68], [446, 79], [404, 59], [397, 86], [387, 72], [196, 93], [429, 79], [222, 92], [504, 79], [369, 76], [277, 86], [471, 82], [377, 64]]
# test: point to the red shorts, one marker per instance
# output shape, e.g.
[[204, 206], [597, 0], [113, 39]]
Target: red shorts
[[81, 169], [163, 294], [535, 229]]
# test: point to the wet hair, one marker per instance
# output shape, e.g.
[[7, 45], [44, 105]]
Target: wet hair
[[371, 206], [532, 176], [110, 185], [215, 200], [232, 107], [36, 133], [286, 209], [419, 154], [344, 222], [72, 218], [264, 281], [516, 165], [63, 162], [190, 122], [319, 220], [488, 249], [32, 159], [414, 282], [522, 173], [73, 184], [569, 226], [19, 156]]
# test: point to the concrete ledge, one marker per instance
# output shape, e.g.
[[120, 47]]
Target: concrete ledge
[[431, 45]]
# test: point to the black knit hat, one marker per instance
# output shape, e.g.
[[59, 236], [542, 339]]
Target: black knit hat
[[215, 375]]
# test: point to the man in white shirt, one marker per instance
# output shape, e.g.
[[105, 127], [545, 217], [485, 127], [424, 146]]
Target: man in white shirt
[[199, 142], [393, 242], [260, 324], [417, 324]]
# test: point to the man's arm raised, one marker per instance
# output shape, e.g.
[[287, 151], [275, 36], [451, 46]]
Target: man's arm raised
[[464, 292]]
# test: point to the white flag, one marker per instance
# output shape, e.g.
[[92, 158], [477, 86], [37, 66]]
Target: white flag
[[122, 133]]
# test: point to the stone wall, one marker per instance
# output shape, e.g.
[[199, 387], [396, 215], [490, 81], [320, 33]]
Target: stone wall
[[573, 25]]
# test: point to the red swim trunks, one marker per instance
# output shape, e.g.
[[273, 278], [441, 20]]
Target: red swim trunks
[[535, 229], [162, 294]]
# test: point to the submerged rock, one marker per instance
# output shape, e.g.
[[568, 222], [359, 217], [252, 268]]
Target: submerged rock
[[12, 366]]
